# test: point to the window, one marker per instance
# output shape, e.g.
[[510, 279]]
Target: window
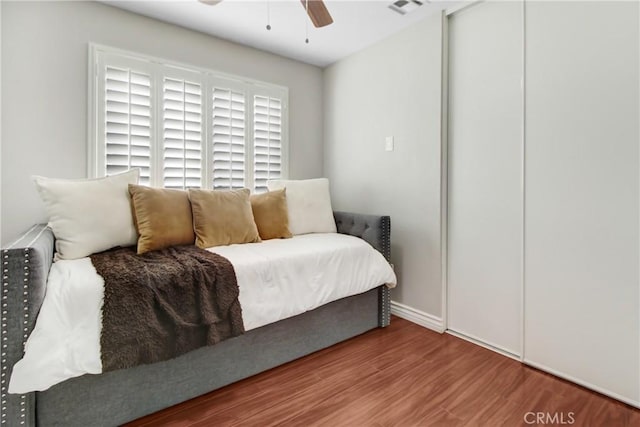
[[127, 118], [184, 127], [181, 133], [267, 140], [228, 138]]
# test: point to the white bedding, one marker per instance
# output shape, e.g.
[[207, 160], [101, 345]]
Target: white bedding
[[277, 279]]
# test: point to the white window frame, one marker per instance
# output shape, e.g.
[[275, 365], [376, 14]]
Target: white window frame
[[158, 68]]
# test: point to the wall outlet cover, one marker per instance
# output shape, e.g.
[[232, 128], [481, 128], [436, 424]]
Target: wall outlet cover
[[388, 143]]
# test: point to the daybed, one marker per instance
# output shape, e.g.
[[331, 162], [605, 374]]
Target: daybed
[[116, 397]]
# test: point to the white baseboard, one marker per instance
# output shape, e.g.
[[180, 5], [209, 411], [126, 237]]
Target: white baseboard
[[488, 346], [418, 317], [585, 384]]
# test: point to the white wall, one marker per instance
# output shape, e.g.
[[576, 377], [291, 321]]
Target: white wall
[[44, 80], [392, 89]]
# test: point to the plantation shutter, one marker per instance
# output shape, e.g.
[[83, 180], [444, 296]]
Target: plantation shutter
[[182, 126], [181, 134], [267, 140], [127, 104], [228, 139]]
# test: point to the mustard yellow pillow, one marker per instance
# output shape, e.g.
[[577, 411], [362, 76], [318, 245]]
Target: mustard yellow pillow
[[162, 217], [222, 217], [271, 215]]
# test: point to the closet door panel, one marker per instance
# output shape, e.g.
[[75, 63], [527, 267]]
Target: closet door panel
[[582, 219], [485, 175]]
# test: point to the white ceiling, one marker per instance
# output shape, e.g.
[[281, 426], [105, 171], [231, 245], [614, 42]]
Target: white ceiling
[[357, 23]]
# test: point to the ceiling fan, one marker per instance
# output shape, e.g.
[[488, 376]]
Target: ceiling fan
[[316, 10]]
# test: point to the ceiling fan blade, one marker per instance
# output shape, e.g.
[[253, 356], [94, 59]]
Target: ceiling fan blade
[[210, 2], [317, 12]]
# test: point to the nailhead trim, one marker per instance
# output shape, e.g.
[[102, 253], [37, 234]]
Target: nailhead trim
[[5, 291], [386, 237], [25, 293], [385, 223], [385, 309], [26, 273]]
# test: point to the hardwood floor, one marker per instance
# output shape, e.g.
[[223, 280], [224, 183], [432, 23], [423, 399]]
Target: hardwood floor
[[403, 375]]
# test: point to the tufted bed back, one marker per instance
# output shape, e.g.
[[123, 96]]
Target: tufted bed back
[[376, 230]]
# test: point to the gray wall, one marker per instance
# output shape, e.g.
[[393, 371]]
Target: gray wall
[[392, 89], [44, 81]]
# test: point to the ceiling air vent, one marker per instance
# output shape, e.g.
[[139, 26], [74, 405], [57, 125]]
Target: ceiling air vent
[[405, 6]]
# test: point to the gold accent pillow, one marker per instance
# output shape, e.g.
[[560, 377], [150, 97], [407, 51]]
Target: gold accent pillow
[[162, 217], [271, 215], [222, 217]]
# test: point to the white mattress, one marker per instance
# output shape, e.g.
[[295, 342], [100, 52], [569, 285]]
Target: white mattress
[[277, 279]]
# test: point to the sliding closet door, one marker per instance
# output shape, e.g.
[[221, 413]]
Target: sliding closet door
[[485, 174], [582, 118]]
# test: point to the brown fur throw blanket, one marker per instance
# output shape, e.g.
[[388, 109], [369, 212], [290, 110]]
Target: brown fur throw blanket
[[165, 303]]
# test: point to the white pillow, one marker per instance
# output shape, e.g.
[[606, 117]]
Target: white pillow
[[308, 204], [89, 215]]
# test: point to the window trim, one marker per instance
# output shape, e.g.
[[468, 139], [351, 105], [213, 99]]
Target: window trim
[[207, 77]]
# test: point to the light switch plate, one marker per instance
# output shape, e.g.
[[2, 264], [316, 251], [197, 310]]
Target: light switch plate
[[388, 143]]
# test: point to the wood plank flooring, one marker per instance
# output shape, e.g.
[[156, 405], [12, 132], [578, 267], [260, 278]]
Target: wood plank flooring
[[403, 375]]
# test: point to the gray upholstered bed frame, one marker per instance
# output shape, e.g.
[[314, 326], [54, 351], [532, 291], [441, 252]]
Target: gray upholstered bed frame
[[120, 396]]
